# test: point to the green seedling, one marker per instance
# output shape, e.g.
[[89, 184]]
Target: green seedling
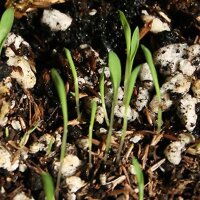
[[6, 25], [139, 177], [132, 81], [60, 87], [149, 60], [102, 93], [48, 186], [26, 136], [132, 44], [115, 73], [75, 77], [93, 113]]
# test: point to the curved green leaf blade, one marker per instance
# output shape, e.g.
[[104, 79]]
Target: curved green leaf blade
[[132, 81], [101, 87], [6, 25], [139, 177], [48, 186], [127, 30], [93, 113], [60, 87], [115, 69], [134, 43], [75, 77], [129, 93], [149, 60]]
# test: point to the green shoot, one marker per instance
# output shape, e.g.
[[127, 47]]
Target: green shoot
[[75, 77], [127, 31], [139, 177], [48, 186], [149, 60], [115, 73], [132, 44], [6, 25], [93, 112], [25, 137], [132, 81], [7, 132], [102, 92], [60, 87], [49, 146]]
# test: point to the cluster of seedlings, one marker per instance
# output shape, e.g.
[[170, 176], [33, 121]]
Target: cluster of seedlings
[[177, 63]]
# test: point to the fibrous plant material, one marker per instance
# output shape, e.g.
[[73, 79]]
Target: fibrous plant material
[[6, 25], [60, 87], [48, 185], [150, 62], [115, 73], [75, 77], [93, 112]]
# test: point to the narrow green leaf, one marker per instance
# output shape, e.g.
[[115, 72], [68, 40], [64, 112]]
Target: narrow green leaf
[[102, 93], [48, 186], [60, 87], [132, 81], [149, 60], [26, 135], [129, 93], [6, 25], [115, 73], [93, 113], [115, 69], [139, 177], [127, 30], [134, 43], [75, 77]]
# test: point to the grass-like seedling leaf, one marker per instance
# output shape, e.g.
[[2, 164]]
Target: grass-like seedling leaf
[[102, 93], [48, 186], [60, 87], [115, 73], [93, 112], [75, 77], [150, 62], [6, 25], [127, 30], [139, 177], [25, 137], [132, 44], [132, 81]]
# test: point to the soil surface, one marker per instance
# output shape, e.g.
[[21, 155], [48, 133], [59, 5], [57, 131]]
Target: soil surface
[[94, 31]]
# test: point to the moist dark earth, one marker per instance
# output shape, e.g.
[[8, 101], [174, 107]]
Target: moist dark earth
[[102, 32]]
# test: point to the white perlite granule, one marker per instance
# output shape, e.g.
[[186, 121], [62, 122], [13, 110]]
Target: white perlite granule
[[70, 165], [56, 20]]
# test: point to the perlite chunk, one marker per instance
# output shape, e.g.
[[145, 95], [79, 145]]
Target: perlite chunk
[[186, 111], [174, 150], [71, 164], [168, 57], [56, 20]]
